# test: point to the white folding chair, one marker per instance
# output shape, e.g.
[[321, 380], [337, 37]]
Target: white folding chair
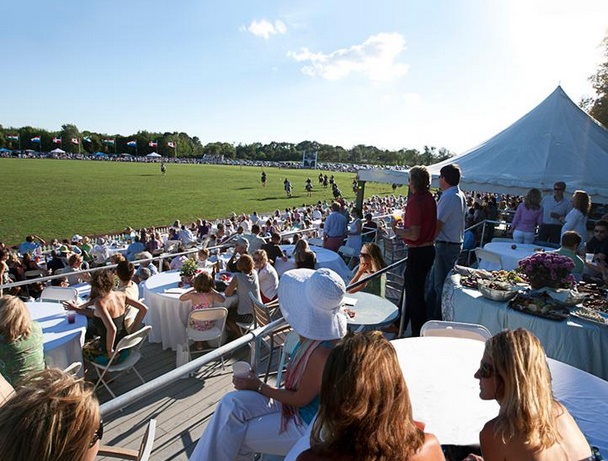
[[59, 294], [488, 256], [145, 448], [455, 330], [214, 334], [315, 242], [347, 253], [131, 342], [291, 340]]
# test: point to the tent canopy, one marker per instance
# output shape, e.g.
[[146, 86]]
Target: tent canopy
[[153, 155], [58, 151], [556, 141]]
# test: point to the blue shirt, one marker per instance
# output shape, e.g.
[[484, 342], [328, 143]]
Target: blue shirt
[[28, 247], [335, 225], [451, 211]]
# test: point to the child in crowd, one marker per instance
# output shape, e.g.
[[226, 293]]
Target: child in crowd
[[202, 296], [144, 274], [202, 259]]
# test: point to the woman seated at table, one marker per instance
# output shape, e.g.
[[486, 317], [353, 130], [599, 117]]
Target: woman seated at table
[[529, 214], [303, 256], [370, 261], [243, 282], [261, 418], [267, 276], [106, 322], [531, 424], [365, 411], [52, 416], [21, 343]]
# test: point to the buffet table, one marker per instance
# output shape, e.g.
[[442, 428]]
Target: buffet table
[[574, 341], [510, 256], [166, 313], [325, 258], [63, 341], [445, 395]]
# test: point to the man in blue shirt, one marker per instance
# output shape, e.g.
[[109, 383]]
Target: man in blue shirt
[[451, 211], [30, 245], [334, 229]]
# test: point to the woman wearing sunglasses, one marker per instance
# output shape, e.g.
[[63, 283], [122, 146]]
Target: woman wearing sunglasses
[[531, 424], [52, 416], [370, 261]]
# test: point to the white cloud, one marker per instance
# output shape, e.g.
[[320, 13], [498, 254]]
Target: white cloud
[[266, 28], [375, 58], [412, 99]]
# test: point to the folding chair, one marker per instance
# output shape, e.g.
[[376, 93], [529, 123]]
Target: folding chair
[[291, 340], [73, 368], [347, 253], [490, 257], [213, 334], [59, 294], [131, 342], [145, 448], [316, 242], [455, 330], [263, 314]]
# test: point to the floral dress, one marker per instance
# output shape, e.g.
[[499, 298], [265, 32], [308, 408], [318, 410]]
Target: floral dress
[[206, 301]]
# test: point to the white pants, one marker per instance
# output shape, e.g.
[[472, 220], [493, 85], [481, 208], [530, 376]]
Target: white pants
[[245, 423], [523, 237]]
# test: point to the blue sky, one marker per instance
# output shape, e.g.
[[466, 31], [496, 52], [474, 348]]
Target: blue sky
[[400, 73]]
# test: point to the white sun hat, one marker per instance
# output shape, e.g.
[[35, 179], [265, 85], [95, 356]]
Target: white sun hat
[[310, 302]]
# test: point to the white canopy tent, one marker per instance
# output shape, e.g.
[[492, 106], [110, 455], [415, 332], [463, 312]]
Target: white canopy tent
[[556, 141], [57, 151], [153, 155]]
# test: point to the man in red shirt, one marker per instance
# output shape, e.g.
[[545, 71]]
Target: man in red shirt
[[418, 233]]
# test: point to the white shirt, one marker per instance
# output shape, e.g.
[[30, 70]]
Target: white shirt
[[269, 281]]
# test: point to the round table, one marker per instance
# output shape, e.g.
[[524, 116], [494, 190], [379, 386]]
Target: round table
[[325, 258], [371, 311], [166, 313], [510, 256], [62, 341]]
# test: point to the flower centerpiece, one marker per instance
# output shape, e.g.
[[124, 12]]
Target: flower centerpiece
[[188, 271], [547, 269]]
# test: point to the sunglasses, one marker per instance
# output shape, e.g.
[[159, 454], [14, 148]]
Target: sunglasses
[[557, 188], [97, 435], [485, 370], [364, 254]]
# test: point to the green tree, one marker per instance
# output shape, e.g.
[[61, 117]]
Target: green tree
[[597, 106]]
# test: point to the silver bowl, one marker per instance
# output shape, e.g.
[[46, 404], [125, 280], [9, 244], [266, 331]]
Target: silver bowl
[[494, 294]]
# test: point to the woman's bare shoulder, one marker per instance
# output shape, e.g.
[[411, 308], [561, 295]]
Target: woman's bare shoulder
[[430, 451]]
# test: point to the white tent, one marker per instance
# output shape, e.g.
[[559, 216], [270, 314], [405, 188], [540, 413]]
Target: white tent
[[556, 141], [153, 155], [58, 151]]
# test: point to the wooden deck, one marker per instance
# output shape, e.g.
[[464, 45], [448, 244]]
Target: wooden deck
[[181, 410]]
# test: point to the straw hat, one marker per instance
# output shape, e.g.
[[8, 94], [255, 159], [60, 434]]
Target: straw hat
[[310, 302]]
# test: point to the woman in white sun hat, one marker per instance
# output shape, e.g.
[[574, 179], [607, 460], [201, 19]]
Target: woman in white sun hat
[[258, 418]]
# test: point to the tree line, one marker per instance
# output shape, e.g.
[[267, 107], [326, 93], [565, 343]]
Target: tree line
[[186, 146]]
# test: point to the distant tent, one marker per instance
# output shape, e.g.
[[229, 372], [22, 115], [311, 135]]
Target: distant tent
[[4, 149], [100, 154], [58, 151], [153, 155], [125, 155]]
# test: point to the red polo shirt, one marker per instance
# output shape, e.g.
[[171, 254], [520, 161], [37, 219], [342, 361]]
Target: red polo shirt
[[421, 211]]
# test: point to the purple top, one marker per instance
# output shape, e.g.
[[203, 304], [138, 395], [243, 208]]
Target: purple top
[[526, 220]]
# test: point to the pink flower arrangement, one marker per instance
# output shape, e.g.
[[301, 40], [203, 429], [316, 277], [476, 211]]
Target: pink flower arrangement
[[548, 269]]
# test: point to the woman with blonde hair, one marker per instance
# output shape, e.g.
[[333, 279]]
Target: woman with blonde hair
[[528, 215], [243, 282], [576, 219], [370, 262], [531, 424], [365, 413], [52, 416], [303, 256], [21, 343]]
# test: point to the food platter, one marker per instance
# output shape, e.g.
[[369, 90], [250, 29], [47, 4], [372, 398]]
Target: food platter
[[497, 291], [590, 315], [540, 305]]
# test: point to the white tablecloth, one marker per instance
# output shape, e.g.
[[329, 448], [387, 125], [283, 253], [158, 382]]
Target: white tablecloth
[[577, 342], [371, 311], [510, 257], [325, 258], [445, 395], [62, 341], [166, 313]]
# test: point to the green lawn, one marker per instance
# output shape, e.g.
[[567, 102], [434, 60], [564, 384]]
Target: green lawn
[[58, 198]]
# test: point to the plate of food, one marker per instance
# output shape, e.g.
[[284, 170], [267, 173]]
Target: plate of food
[[223, 276], [497, 291], [591, 315], [539, 304]]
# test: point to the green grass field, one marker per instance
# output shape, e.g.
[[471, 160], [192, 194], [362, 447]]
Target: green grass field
[[58, 198]]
